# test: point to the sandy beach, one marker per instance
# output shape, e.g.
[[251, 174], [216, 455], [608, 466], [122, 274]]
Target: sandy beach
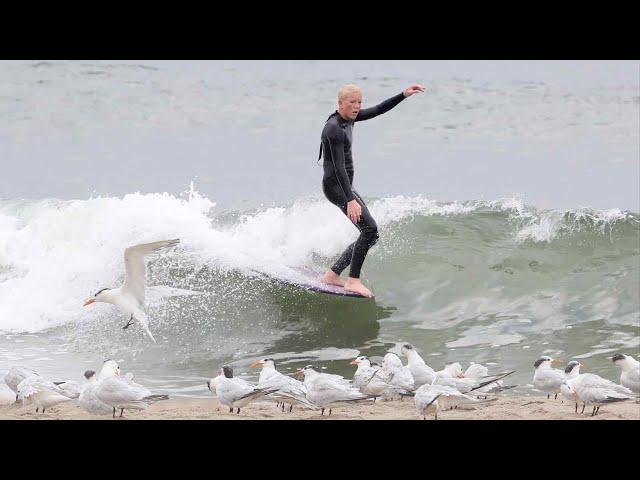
[[183, 408]]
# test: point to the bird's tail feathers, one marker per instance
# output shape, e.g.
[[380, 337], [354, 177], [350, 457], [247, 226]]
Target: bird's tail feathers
[[155, 398], [493, 378]]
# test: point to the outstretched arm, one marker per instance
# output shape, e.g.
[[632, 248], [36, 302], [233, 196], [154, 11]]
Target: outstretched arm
[[367, 113]]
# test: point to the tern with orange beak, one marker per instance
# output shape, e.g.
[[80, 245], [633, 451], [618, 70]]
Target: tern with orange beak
[[289, 389], [571, 370], [130, 297], [593, 390], [630, 375], [121, 394], [235, 392], [367, 378], [546, 378]]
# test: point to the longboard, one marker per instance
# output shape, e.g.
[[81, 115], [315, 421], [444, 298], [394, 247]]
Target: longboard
[[309, 279]]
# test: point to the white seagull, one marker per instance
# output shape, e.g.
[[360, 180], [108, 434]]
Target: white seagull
[[17, 374], [235, 392], [630, 376], [441, 397], [88, 400], [398, 375], [373, 380], [545, 378], [571, 370], [467, 385], [451, 370], [130, 297], [477, 370], [120, 393], [597, 391], [325, 390], [422, 373], [288, 389], [42, 392]]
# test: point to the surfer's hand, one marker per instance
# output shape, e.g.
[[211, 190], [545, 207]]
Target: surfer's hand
[[354, 210], [411, 89]]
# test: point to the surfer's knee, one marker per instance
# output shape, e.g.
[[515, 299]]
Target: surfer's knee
[[372, 235]]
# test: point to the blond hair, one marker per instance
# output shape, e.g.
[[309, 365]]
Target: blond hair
[[346, 89]]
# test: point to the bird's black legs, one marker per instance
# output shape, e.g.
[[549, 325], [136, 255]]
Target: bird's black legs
[[121, 411], [128, 323]]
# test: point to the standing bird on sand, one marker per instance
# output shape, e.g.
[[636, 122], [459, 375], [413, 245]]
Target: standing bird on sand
[[235, 392], [630, 376], [288, 389], [121, 394], [325, 390], [130, 297], [593, 390], [547, 379], [373, 380], [15, 375], [571, 370], [42, 392]]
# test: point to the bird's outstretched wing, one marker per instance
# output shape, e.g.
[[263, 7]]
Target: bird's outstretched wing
[[135, 280]]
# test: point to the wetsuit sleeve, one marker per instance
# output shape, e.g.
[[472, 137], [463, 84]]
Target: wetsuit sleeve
[[335, 140], [388, 104]]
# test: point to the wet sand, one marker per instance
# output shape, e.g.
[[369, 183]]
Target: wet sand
[[184, 408]]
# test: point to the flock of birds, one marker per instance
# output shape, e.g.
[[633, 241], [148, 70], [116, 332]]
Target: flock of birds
[[433, 391]]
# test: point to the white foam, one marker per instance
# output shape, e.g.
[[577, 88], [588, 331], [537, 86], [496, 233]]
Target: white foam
[[54, 254], [542, 229]]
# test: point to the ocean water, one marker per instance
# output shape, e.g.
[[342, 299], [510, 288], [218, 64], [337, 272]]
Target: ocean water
[[507, 198]]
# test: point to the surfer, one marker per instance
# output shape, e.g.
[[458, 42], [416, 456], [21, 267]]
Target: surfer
[[337, 183]]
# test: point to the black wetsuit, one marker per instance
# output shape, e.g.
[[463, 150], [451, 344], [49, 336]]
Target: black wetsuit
[[338, 179]]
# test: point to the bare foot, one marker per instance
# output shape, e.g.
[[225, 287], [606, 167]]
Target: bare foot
[[332, 278], [355, 285]]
